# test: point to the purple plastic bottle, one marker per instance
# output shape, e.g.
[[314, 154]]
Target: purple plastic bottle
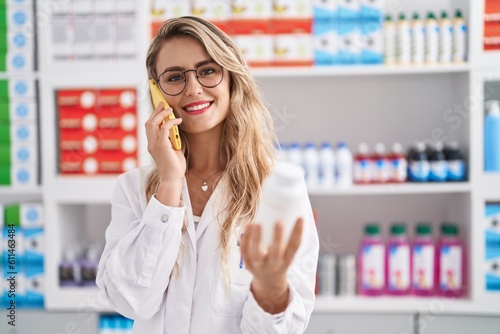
[[450, 254], [371, 262], [424, 266], [398, 261]]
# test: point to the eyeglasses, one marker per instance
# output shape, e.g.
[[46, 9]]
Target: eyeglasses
[[173, 82]]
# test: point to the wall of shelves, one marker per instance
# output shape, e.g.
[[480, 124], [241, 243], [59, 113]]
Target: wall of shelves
[[356, 104]]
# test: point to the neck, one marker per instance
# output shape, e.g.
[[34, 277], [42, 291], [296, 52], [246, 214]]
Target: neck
[[205, 156]]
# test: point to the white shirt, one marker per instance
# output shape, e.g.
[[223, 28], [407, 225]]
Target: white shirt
[[144, 241]]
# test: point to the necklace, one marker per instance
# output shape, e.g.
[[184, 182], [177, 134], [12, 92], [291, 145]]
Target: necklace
[[204, 187]]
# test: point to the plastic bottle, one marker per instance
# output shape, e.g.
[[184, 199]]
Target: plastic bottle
[[431, 39], [451, 263], [417, 40], [492, 137], [439, 166], [423, 261], [380, 164], [294, 155], [363, 168], [344, 172], [106, 325], [455, 161], [371, 262], [69, 268], [398, 165], [403, 40], [90, 264], [418, 163], [398, 261], [389, 41], [311, 166], [459, 38], [445, 39], [327, 166], [282, 199]]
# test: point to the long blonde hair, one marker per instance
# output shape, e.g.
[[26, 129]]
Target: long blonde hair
[[248, 137]]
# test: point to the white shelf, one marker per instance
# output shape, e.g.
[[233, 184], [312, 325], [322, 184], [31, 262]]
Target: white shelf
[[434, 305], [396, 189], [15, 194], [81, 189], [318, 71], [490, 185], [82, 299]]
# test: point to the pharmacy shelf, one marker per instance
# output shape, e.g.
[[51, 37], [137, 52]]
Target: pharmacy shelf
[[16, 194], [397, 189], [490, 185], [435, 305], [81, 189], [85, 299], [318, 71]]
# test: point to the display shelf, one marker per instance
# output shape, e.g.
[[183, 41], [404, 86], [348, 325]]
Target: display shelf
[[434, 305], [490, 185], [15, 194], [81, 189], [395, 189], [80, 299], [358, 70]]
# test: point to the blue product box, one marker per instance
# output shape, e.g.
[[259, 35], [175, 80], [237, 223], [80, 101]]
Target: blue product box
[[325, 44], [492, 248]]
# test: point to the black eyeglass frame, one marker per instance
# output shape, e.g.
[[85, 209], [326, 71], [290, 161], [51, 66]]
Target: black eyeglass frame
[[195, 70]]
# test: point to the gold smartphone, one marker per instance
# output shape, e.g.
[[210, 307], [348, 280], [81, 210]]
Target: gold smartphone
[[156, 98]]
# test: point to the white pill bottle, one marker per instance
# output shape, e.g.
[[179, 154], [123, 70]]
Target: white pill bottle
[[283, 198]]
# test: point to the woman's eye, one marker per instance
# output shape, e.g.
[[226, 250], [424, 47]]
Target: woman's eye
[[175, 77], [207, 71]]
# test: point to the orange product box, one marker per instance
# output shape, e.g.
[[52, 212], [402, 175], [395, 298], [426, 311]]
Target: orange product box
[[255, 40]]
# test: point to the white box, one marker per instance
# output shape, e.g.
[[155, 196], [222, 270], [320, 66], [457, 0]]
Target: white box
[[20, 61], [23, 132], [325, 44], [22, 109], [24, 176], [292, 48], [32, 217], [21, 88], [252, 10], [24, 154], [256, 48], [293, 9], [35, 287]]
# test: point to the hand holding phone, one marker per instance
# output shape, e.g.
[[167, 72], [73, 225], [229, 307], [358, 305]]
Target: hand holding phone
[[157, 97]]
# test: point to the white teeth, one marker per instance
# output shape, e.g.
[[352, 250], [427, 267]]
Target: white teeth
[[198, 107]]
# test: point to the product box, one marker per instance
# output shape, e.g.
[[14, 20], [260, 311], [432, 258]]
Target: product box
[[13, 248], [126, 39], [372, 42], [18, 154], [216, 11], [372, 10], [19, 176], [163, 10], [21, 88], [292, 9], [34, 247], [15, 288], [492, 248], [17, 110], [35, 287], [26, 215], [253, 10], [350, 43], [19, 40], [18, 132], [349, 10], [325, 12], [325, 44]]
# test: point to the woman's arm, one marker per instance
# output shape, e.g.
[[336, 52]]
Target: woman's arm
[[141, 250]]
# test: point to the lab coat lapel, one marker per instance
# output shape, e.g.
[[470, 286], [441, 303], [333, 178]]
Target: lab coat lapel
[[214, 209], [189, 211]]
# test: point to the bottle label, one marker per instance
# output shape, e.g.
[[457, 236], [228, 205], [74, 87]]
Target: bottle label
[[399, 267], [456, 170], [398, 170], [423, 267], [362, 171], [381, 170], [419, 170], [373, 276], [439, 171], [450, 273]]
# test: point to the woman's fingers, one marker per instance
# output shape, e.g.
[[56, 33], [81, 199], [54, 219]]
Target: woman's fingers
[[294, 241], [274, 249]]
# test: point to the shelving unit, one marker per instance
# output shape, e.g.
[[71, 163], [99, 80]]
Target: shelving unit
[[353, 103]]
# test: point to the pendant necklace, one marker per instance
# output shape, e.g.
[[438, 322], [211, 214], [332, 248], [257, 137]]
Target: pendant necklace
[[204, 187]]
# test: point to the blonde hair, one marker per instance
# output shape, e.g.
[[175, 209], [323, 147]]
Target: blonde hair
[[248, 137]]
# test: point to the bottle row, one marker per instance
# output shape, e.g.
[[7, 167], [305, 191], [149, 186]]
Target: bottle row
[[79, 264], [326, 168], [422, 267], [431, 41]]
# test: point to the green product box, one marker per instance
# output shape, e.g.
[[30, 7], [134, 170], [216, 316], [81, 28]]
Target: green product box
[[4, 86], [5, 176], [4, 133], [5, 155], [12, 215]]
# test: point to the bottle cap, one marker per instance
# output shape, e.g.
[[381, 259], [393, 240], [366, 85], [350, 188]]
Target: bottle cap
[[402, 16], [458, 13], [363, 148], [341, 144], [438, 146], [380, 148], [431, 16], [420, 146], [388, 18], [326, 144], [444, 14], [310, 145], [423, 229], [452, 145], [397, 148], [416, 16], [449, 229], [398, 229], [493, 107], [372, 229]]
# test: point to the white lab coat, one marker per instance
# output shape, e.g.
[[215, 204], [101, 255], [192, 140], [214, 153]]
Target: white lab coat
[[143, 243]]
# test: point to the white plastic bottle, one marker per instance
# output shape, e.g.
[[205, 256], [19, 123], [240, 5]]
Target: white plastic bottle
[[403, 40], [344, 159], [281, 152], [417, 40], [311, 166], [282, 199], [327, 166], [389, 41], [445, 39], [459, 38], [431, 39]]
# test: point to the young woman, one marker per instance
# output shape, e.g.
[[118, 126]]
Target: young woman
[[182, 253]]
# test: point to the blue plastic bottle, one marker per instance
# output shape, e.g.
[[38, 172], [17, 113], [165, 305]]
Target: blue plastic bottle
[[492, 137], [418, 164], [455, 160], [438, 164]]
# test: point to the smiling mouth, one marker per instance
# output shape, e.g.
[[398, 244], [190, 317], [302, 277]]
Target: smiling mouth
[[198, 107]]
